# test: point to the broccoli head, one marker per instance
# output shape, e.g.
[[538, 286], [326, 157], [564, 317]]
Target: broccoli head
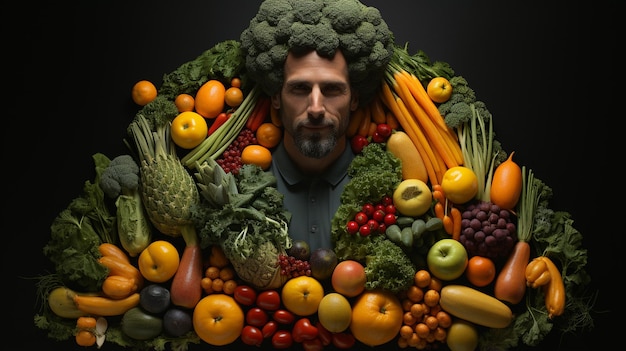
[[121, 176], [327, 26]]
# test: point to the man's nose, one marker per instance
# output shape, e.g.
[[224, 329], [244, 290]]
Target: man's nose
[[316, 103]]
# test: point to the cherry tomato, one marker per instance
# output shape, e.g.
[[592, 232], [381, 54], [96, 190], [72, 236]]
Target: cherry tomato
[[325, 335], [390, 209], [387, 200], [282, 339], [368, 209], [365, 230], [303, 329], [358, 142], [245, 295], [313, 345], [382, 227], [384, 130], [269, 329], [390, 219], [378, 138], [379, 215], [256, 317], [352, 227], [268, 300], [283, 316], [343, 340], [361, 218], [251, 335], [379, 206]]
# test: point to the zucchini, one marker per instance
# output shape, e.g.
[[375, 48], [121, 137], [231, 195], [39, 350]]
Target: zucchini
[[475, 306]]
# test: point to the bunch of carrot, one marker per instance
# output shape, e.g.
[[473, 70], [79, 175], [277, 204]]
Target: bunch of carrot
[[450, 215], [364, 119], [407, 99]]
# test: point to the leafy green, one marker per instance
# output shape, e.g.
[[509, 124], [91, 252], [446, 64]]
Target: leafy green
[[76, 233]]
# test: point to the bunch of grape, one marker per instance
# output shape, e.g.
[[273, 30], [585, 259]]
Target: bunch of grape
[[230, 160], [487, 230], [293, 267]]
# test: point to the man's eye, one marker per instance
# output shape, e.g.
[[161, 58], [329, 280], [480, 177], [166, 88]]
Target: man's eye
[[332, 90]]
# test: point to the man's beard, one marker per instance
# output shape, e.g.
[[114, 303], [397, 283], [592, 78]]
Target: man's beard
[[315, 145]]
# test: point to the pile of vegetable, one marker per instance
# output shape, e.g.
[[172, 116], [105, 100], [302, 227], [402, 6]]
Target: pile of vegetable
[[151, 194]]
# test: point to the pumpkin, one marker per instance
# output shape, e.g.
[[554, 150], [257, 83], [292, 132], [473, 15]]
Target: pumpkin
[[376, 317]]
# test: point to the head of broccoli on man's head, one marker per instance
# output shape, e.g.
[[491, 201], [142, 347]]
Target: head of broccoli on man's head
[[326, 26]]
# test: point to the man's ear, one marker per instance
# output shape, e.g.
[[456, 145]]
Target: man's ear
[[275, 99], [354, 102]]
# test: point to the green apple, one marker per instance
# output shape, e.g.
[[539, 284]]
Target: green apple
[[447, 259]]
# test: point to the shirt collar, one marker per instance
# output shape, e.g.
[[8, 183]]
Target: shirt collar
[[292, 175]]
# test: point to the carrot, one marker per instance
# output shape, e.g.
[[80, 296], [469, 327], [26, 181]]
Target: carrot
[[372, 129], [356, 118], [456, 215], [364, 126], [186, 288], [439, 210], [378, 113], [259, 113], [391, 120], [439, 196], [510, 285], [414, 132], [424, 121], [448, 224], [421, 96]]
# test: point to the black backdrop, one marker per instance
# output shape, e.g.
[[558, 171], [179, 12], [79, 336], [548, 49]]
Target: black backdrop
[[538, 66]]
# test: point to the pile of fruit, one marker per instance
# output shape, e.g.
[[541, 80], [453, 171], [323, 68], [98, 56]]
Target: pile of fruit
[[463, 215]]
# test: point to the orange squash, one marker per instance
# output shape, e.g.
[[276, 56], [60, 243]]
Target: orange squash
[[506, 185], [376, 317]]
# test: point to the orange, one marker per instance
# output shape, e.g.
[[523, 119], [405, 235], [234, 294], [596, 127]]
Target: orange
[[257, 155], [233, 96], [218, 319], [377, 317], [143, 92], [480, 271], [268, 135], [302, 295], [184, 102]]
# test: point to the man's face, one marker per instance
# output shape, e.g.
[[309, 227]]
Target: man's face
[[315, 102]]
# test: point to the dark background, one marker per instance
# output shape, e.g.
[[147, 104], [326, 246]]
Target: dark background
[[539, 66]]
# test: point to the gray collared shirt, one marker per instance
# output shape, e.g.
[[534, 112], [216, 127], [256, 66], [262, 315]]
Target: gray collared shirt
[[312, 200]]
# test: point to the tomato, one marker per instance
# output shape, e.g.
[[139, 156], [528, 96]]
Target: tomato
[[282, 339], [361, 218], [256, 317], [412, 197], [268, 300], [352, 227], [368, 209], [245, 295], [439, 89], [358, 142], [349, 278], [251, 335], [379, 215], [459, 184], [269, 329], [343, 341], [303, 329], [283, 316], [189, 129], [390, 219], [324, 334], [313, 345], [365, 230], [384, 130]]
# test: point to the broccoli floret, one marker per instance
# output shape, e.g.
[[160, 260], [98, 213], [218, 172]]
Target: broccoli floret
[[121, 176], [355, 29], [456, 110]]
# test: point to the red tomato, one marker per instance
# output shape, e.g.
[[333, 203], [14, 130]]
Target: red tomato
[[368, 209], [387, 200], [324, 334], [303, 329], [379, 215], [269, 329], [245, 295], [313, 345], [358, 142], [343, 340], [268, 300], [251, 335], [352, 227], [361, 218], [283, 316], [256, 317], [390, 219], [282, 339], [384, 130], [365, 230]]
